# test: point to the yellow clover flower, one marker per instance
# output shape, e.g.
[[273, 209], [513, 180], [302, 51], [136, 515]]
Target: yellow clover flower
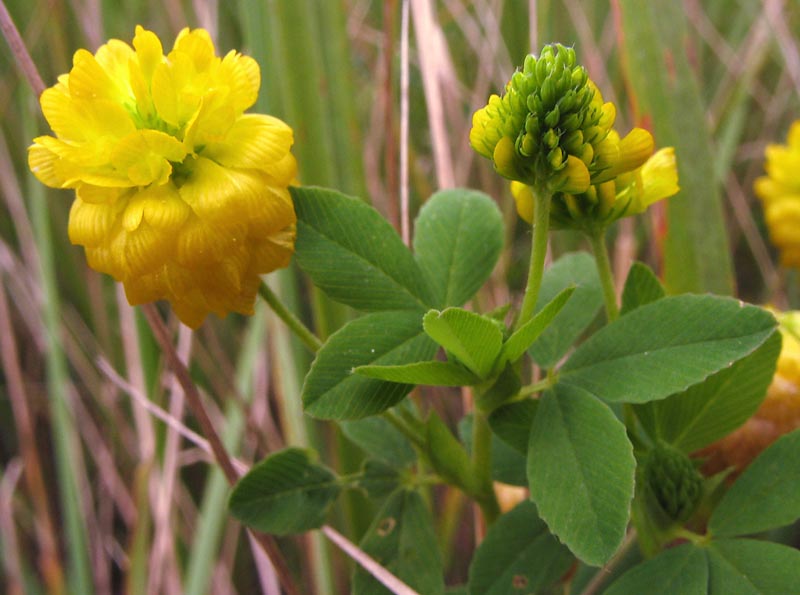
[[179, 194], [630, 193], [551, 128], [779, 192]]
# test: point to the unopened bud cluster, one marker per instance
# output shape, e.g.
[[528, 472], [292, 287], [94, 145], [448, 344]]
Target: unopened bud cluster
[[550, 127], [674, 481]]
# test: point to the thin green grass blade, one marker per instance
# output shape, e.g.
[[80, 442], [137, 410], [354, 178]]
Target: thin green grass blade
[[696, 252], [65, 436]]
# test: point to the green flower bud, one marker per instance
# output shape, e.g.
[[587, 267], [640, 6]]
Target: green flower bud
[[544, 106], [673, 480]]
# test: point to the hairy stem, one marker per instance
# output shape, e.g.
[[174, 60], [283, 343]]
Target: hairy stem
[[482, 467], [541, 223], [597, 239], [303, 333]]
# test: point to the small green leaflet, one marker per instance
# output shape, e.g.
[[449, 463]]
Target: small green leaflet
[[285, 493]]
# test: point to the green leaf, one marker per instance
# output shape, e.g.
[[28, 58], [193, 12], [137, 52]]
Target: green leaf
[[747, 566], [696, 252], [379, 479], [429, 373], [458, 236], [332, 391], [285, 493], [681, 570], [575, 269], [641, 287], [353, 254], [401, 538], [378, 438], [665, 347], [473, 339], [581, 472], [512, 423], [519, 342], [712, 409], [766, 495], [447, 455], [518, 554]]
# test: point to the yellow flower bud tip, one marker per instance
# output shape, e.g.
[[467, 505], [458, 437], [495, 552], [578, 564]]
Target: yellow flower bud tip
[[779, 192], [523, 197], [550, 111], [180, 195]]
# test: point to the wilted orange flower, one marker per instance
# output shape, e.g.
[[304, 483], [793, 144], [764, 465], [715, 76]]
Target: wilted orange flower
[[179, 194]]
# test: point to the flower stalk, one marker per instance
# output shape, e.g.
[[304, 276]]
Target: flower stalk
[[541, 223], [600, 251], [309, 339]]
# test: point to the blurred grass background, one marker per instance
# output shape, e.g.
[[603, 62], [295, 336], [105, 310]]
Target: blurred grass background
[[103, 486]]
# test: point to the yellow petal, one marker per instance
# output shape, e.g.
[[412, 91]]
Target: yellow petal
[[793, 138], [634, 149], [89, 80], [523, 197], [242, 76], [149, 52], [254, 141], [227, 197], [660, 176], [273, 252], [197, 45], [93, 224], [41, 162], [114, 58], [145, 155], [573, 179], [202, 244], [159, 206], [99, 194]]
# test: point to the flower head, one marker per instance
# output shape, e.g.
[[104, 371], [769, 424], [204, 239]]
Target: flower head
[[628, 194], [552, 128], [180, 195], [779, 192]]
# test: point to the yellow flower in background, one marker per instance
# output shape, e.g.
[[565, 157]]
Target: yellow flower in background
[[179, 194], [779, 192], [630, 193], [552, 129]]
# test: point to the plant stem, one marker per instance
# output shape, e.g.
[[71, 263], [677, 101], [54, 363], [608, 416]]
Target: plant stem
[[308, 338], [195, 403], [597, 239], [541, 223], [21, 55], [405, 429], [536, 387], [604, 573], [482, 467]]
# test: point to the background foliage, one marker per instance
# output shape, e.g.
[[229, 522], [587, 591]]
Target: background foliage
[[100, 495]]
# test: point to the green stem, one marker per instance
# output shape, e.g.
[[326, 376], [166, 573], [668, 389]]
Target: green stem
[[405, 429], [482, 467], [541, 222], [308, 338], [597, 239], [536, 387]]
